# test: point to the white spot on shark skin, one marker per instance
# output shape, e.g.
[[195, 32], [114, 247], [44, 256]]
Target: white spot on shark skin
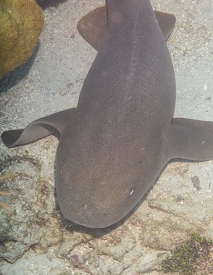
[[131, 192], [205, 87]]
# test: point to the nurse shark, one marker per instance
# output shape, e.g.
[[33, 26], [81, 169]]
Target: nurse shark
[[122, 133]]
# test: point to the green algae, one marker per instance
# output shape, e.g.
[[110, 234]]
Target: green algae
[[185, 259]]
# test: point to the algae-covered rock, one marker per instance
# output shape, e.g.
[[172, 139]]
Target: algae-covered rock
[[21, 22]]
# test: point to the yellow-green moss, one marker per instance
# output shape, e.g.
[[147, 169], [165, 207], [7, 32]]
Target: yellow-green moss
[[21, 23], [186, 258]]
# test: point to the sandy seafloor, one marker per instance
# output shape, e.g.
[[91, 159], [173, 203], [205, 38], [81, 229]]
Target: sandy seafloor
[[34, 238]]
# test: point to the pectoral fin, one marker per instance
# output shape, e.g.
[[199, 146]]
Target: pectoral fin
[[93, 26], [38, 129], [190, 139]]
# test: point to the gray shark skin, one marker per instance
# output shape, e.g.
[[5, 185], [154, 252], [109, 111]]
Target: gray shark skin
[[122, 133]]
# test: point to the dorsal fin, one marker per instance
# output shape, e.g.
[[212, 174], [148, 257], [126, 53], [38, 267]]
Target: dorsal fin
[[93, 25]]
